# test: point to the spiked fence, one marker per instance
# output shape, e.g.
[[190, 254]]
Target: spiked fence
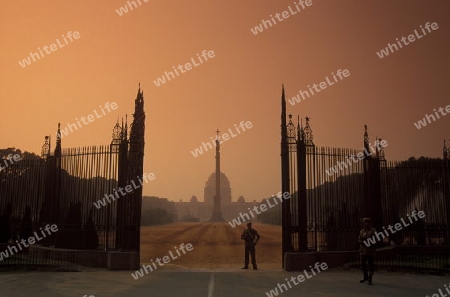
[[333, 190], [61, 188]]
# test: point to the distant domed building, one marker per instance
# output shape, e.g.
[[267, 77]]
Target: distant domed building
[[226, 209], [202, 209], [210, 189]]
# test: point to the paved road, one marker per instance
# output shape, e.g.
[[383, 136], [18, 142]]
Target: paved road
[[221, 244], [214, 283]]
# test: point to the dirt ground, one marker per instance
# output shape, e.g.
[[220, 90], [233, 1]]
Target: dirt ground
[[216, 245]]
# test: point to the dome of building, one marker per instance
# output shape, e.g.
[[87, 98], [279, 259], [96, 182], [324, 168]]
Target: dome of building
[[210, 189], [224, 182]]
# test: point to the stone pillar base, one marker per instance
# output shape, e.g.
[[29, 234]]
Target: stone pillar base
[[123, 260], [301, 261]]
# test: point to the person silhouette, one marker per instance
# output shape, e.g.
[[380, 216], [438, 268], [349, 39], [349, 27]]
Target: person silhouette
[[366, 251], [251, 237]]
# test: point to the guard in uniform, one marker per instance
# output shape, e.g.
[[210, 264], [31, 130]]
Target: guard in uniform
[[251, 237], [366, 252]]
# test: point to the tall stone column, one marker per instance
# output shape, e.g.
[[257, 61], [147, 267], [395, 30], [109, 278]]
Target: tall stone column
[[217, 211]]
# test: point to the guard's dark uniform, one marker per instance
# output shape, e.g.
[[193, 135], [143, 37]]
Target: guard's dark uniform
[[366, 253], [251, 237]]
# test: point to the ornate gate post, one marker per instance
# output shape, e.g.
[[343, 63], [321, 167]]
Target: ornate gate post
[[372, 184], [285, 180], [305, 147]]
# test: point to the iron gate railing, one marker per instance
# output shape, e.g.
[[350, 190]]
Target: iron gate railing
[[327, 204]]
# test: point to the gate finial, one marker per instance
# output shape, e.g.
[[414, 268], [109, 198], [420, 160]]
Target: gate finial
[[45, 152], [58, 142], [366, 139], [308, 132]]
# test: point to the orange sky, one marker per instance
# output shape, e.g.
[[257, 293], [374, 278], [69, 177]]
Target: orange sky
[[241, 83]]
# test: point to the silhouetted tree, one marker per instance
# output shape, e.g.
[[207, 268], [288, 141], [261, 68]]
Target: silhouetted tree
[[156, 216]]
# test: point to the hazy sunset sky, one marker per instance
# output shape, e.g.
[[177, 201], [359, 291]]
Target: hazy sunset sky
[[241, 83]]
